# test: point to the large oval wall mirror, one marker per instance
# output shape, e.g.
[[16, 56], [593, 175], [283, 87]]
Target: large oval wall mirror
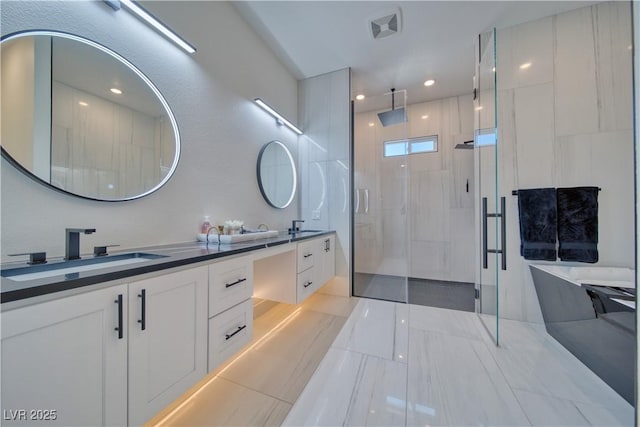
[[276, 174], [82, 119]]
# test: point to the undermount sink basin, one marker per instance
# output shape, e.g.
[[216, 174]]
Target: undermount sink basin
[[76, 266], [307, 231]]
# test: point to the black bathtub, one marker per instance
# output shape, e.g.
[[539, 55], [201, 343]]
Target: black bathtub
[[591, 312]]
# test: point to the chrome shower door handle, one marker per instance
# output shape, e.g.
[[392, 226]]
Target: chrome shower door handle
[[366, 200], [357, 201], [485, 248], [503, 229], [503, 233]]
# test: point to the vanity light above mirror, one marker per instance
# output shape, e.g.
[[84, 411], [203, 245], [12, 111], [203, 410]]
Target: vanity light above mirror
[[279, 117], [149, 19]]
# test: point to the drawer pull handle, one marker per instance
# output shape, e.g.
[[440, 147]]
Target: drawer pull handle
[[307, 255], [228, 285], [229, 336], [309, 283]]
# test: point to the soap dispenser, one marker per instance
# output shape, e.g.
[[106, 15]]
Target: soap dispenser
[[206, 224]]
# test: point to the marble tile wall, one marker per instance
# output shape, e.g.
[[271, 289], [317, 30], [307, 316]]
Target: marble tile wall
[[130, 150], [420, 212], [566, 120]]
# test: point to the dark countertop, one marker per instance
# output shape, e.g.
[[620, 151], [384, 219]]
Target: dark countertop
[[175, 255]]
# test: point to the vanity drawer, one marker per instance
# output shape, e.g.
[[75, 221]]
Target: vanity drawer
[[229, 331], [306, 284], [307, 252], [230, 282]]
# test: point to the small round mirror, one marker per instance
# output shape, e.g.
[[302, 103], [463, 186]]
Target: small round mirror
[[276, 174]]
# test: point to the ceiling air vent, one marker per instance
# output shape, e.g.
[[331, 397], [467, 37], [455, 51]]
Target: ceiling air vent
[[386, 26]]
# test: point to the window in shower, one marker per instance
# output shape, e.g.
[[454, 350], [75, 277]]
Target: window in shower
[[423, 144]]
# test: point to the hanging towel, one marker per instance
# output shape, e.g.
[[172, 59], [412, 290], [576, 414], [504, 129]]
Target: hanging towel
[[578, 224], [538, 223]]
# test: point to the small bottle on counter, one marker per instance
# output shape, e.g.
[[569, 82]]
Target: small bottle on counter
[[206, 224]]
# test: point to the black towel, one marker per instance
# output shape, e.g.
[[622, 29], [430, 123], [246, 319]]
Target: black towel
[[538, 223], [578, 224]]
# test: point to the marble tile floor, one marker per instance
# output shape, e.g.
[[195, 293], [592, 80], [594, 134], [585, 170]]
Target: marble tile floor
[[348, 361], [259, 387], [395, 364]]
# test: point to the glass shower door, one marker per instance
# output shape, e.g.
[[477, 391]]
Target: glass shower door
[[380, 223], [488, 204]]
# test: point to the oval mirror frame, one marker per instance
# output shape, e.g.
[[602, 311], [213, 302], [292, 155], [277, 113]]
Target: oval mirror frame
[[149, 84], [268, 192]]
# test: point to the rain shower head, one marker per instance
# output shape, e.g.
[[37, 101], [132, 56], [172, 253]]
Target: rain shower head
[[467, 145], [394, 116]]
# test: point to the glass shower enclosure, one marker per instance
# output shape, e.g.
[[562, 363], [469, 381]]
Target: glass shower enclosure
[[490, 252], [380, 220]]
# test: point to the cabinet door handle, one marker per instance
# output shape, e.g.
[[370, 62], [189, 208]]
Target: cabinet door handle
[[120, 329], [307, 255], [143, 312], [309, 283], [229, 336], [228, 285]]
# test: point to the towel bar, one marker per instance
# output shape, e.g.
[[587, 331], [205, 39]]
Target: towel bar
[[515, 192]]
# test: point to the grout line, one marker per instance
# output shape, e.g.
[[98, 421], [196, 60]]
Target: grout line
[[358, 380], [257, 391]]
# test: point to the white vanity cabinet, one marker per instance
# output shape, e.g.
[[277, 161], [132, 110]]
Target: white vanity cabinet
[[230, 308], [167, 339], [328, 256], [315, 266], [64, 362]]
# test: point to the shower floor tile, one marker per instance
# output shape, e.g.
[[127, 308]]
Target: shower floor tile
[[433, 293]]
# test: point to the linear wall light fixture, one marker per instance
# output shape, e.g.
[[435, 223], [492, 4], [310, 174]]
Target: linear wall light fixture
[[279, 119], [137, 10]]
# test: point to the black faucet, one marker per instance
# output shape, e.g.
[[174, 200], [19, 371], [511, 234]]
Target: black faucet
[[293, 228], [72, 242]]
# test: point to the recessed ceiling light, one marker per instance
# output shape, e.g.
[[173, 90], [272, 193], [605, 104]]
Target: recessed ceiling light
[[525, 65], [478, 108], [84, 104], [425, 117], [429, 82], [371, 124], [493, 69], [116, 91], [360, 97]]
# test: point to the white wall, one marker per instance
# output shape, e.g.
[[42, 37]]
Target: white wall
[[211, 93], [567, 121], [438, 211], [324, 159]]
